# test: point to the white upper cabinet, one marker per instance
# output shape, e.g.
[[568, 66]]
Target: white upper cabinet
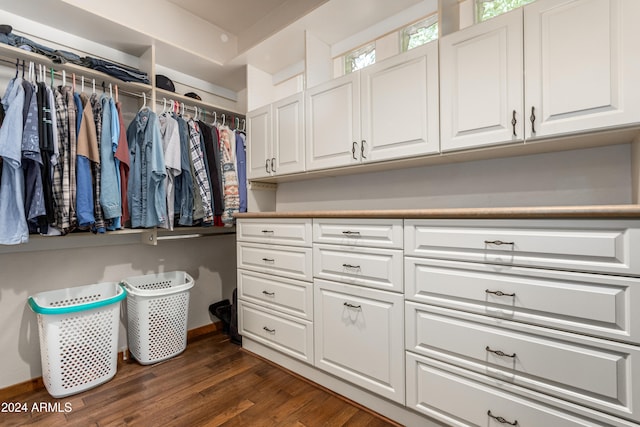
[[386, 111], [276, 138], [481, 87], [581, 65], [549, 69], [399, 105], [333, 123], [288, 135], [259, 139]]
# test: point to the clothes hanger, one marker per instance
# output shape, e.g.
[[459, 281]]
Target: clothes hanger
[[73, 81], [224, 120], [215, 119], [52, 73], [164, 105], [117, 97], [64, 78], [110, 90], [81, 83], [94, 85], [17, 65]]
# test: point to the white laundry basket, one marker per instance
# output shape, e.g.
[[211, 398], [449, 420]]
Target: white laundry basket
[[78, 330], [157, 312]]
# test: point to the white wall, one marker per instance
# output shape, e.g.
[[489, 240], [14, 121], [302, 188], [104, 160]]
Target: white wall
[[209, 260], [590, 176]]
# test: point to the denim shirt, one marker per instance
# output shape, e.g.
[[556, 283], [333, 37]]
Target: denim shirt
[[146, 192], [13, 224], [109, 185]]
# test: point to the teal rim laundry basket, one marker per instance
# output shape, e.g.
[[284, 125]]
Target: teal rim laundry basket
[[78, 329], [157, 314]]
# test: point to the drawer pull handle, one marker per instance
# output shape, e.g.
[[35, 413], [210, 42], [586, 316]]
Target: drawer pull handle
[[351, 233], [357, 307], [267, 231], [497, 242], [353, 267], [269, 260], [500, 293], [502, 420], [269, 294], [271, 331], [499, 352]]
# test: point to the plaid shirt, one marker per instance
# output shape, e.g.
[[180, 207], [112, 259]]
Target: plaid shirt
[[229, 177], [61, 187], [200, 171]]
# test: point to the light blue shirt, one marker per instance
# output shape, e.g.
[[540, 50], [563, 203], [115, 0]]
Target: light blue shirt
[[13, 223]]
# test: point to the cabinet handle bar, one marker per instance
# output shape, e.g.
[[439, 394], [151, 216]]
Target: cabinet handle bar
[[500, 293], [501, 420], [499, 352], [497, 242], [357, 307]]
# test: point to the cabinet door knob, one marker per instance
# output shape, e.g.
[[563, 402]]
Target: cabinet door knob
[[499, 352], [533, 119], [353, 150], [501, 420], [348, 305], [500, 293]]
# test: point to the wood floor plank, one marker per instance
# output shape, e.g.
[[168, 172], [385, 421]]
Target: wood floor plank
[[212, 383]]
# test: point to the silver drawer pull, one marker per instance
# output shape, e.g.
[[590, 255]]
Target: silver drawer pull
[[267, 231], [269, 294], [268, 260], [497, 242], [353, 267], [357, 307], [271, 331], [499, 352], [351, 233], [502, 420], [500, 293]]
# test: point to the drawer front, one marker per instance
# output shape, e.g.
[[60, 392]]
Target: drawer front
[[358, 336], [275, 231], [542, 297], [576, 245], [287, 334], [289, 296], [375, 268], [375, 233], [287, 261], [443, 392], [587, 371]]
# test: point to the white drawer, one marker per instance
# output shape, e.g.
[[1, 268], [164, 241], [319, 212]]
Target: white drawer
[[378, 233], [575, 245], [595, 373], [542, 297], [375, 268], [447, 394], [287, 334], [358, 336], [289, 261], [289, 296], [275, 231]]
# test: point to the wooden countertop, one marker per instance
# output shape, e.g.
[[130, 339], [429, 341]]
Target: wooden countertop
[[595, 211]]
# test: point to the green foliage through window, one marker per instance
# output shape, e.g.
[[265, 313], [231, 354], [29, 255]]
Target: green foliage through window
[[360, 58], [487, 9], [419, 33]]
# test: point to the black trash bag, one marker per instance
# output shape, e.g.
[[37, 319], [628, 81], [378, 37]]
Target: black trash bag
[[218, 310]]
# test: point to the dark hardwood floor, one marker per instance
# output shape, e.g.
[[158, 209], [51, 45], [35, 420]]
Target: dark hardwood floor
[[212, 383]]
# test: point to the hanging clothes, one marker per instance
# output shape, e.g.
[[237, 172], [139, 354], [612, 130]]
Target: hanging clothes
[[13, 225], [241, 167], [184, 193], [88, 155], [110, 188], [229, 175], [172, 159], [45, 139], [32, 162], [200, 172], [212, 152], [96, 106], [64, 177], [122, 157], [147, 197]]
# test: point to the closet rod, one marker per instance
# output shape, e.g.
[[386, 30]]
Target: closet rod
[[211, 111]]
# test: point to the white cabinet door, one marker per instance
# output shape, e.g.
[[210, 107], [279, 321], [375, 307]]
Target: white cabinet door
[[358, 336], [581, 65], [259, 143], [332, 113], [288, 135], [481, 84], [399, 100]]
